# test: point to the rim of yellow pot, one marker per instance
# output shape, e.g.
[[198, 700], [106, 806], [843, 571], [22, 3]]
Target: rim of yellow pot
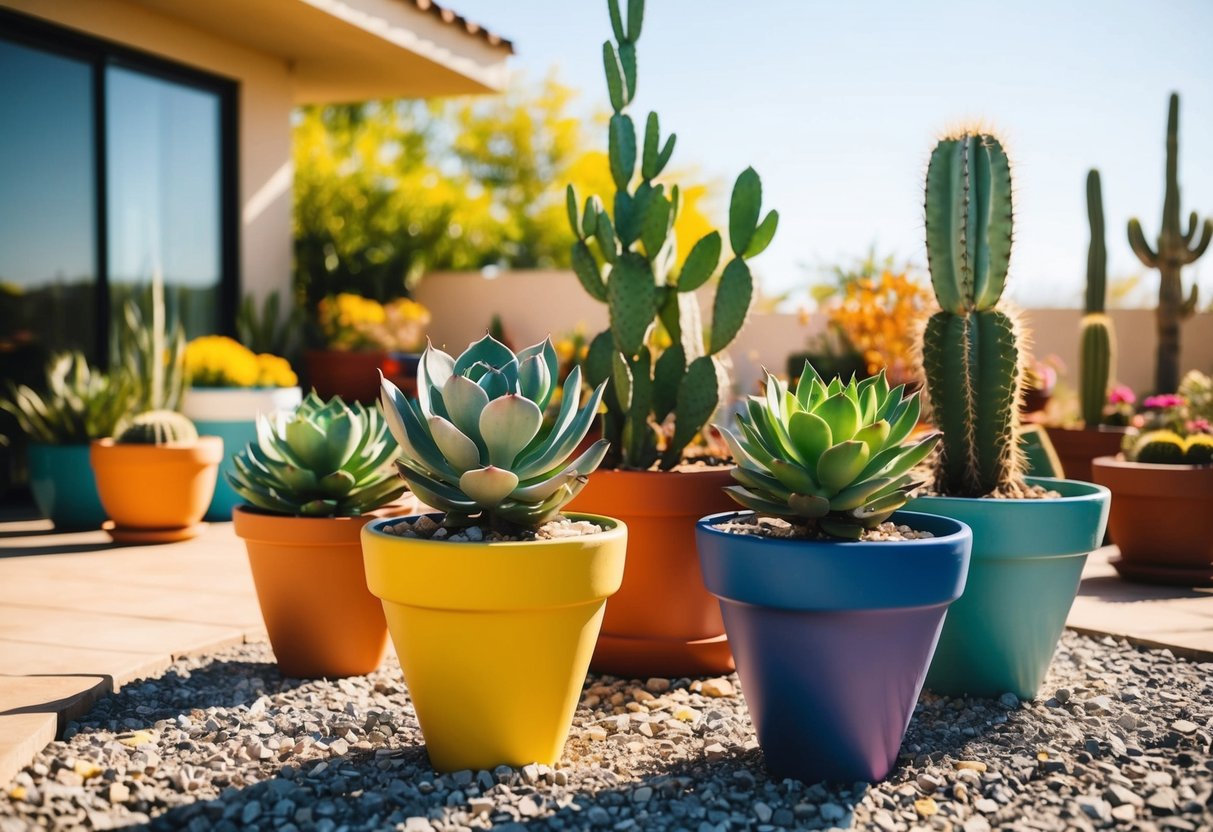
[[498, 575]]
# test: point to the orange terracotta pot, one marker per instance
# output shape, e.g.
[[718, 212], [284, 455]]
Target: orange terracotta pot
[[321, 619], [351, 374], [1077, 447], [155, 493], [1161, 519], [663, 621]]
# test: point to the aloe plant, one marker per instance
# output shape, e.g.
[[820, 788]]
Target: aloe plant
[[326, 459], [81, 403], [831, 456], [474, 444], [626, 259]]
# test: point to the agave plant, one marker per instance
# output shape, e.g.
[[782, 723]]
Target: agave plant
[[832, 457], [327, 459], [474, 444], [81, 403]]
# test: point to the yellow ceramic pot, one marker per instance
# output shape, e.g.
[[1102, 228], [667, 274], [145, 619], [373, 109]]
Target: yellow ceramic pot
[[494, 638]]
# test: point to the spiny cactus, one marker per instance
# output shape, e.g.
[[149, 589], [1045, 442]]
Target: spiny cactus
[[626, 259], [830, 457], [1175, 249], [1198, 449], [326, 459], [474, 443], [971, 351], [158, 427], [1161, 447], [1097, 338]]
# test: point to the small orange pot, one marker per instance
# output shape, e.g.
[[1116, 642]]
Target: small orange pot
[[1077, 447], [321, 619], [1161, 520], [663, 621], [155, 493]]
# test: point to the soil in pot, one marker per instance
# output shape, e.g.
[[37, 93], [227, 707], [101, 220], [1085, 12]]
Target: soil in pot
[[663, 621], [1028, 556], [322, 620], [833, 639], [494, 638], [1161, 520]]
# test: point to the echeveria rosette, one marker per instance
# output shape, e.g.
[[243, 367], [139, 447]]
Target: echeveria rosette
[[830, 456], [473, 444], [327, 459]]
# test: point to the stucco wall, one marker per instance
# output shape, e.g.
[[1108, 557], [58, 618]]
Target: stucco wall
[[266, 99], [532, 304]]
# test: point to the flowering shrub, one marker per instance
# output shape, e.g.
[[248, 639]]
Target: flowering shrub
[[876, 315], [1186, 413], [352, 322], [219, 361]]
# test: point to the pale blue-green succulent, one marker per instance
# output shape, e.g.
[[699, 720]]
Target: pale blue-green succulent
[[327, 459], [833, 457], [474, 444]]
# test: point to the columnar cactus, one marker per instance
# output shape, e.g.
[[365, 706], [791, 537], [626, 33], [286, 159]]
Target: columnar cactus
[[971, 352], [1097, 339], [626, 258], [1174, 250]]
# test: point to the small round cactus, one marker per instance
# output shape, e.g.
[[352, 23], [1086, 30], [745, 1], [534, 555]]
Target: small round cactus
[[1198, 450], [158, 427], [1160, 447]]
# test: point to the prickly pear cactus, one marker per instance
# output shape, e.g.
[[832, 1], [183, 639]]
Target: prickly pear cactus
[[1097, 338], [1175, 249], [626, 258], [971, 351]]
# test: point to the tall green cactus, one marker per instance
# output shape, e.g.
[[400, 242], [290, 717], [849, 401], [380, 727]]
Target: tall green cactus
[[1097, 338], [626, 259], [1174, 250], [971, 351]]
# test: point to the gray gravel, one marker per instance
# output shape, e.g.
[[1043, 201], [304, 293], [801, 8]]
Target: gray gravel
[[1121, 739]]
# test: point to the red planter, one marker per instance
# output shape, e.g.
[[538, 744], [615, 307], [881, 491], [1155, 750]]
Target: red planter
[[1076, 447], [351, 374]]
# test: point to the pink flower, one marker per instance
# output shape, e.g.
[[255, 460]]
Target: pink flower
[[1121, 394], [1198, 426], [1164, 401]]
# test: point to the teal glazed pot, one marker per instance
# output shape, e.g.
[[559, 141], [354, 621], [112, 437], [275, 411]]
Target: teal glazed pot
[[65, 490], [832, 639], [231, 413], [1028, 557]]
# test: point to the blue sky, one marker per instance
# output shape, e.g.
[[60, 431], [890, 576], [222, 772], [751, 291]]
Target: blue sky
[[837, 106]]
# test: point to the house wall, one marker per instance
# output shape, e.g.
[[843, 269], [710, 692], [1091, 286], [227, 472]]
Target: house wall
[[265, 103], [535, 303]]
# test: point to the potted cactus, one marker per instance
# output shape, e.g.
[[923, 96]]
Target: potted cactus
[[1077, 446], [156, 478], [663, 621], [1162, 488], [1031, 537], [81, 404], [312, 478], [494, 602], [227, 387], [834, 608]]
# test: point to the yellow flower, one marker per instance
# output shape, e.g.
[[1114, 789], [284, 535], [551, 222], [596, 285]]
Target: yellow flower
[[352, 322], [219, 361]]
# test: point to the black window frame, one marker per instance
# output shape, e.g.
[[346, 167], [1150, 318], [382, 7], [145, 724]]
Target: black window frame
[[101, 54]]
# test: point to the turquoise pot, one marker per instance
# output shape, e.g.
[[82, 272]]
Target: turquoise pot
[[1027, 561], [231, 413], [64, 487]]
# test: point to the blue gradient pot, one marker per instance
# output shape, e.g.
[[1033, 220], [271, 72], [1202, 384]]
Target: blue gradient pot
[[65, 490], [231, 413], [833, 639], [1028, 557]]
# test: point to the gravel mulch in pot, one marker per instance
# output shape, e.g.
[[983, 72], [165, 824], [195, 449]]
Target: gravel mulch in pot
[[1121, 740]]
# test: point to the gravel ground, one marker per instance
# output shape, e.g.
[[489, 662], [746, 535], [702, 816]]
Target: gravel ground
[[1120, 740]]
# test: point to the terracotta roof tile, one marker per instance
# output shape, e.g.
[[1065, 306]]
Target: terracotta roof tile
[[452, 19]]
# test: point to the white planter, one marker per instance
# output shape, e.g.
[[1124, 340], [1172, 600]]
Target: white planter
[[237, 404]]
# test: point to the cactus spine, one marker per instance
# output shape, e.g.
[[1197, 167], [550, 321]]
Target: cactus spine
[[1097, 339], [971, 351], [158, 427], [1174, 250], [626, 259]]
